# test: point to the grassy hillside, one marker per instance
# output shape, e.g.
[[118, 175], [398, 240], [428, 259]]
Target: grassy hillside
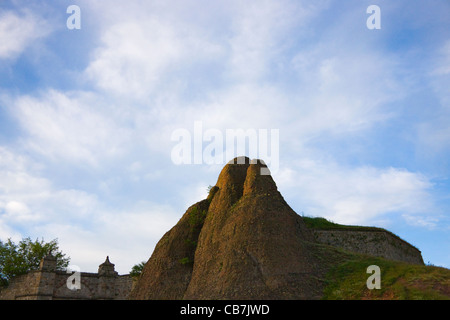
[[399, 281]]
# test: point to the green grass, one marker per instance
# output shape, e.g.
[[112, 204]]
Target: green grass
[[324, 224], [399, 281], [196, 218], [186, 261]]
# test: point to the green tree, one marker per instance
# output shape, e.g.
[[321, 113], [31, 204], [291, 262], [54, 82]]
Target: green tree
[[17, 259], [137, 270]]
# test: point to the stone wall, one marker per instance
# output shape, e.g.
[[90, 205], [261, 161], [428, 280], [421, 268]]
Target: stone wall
[[24, 287], [47, 283], [376, 243]]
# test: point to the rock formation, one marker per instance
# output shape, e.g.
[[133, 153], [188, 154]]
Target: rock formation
[[242, 242]]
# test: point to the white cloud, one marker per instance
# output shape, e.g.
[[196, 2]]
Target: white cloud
[[87, 228], [147, 49], [151, 48], [18, 211], [137, 56], [17, 32], [73, 126], [361, 195], [126, 236], [27, 199], [429, 222], [15, 174], [343, 92], [259, 33]]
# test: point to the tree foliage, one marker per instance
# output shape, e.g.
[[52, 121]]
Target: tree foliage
[[137, 269], [20, 258]]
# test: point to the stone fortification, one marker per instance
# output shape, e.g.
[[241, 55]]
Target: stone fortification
[[48, 283], [378, 243]]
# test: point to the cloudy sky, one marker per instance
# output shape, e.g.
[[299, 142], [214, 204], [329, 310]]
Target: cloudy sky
[[87, 116]]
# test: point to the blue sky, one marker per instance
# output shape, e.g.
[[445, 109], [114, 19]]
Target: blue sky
[[86, 116]]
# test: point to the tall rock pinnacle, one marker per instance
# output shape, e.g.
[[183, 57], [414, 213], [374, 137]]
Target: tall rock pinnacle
[[242, 242]]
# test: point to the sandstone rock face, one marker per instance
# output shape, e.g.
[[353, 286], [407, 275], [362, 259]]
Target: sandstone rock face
[[242, 242], [252, 244], [167, 273]]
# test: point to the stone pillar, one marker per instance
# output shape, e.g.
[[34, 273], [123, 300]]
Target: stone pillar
[[48, 263], [47, 274], [107, 280]]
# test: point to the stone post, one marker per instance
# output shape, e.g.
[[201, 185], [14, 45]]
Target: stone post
[[47, 274], [106, 281]]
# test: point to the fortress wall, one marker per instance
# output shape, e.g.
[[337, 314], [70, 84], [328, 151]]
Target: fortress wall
[[124, 285], [23, 287], [88, 287], [49, 284], [376, 243], [32, 286]]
